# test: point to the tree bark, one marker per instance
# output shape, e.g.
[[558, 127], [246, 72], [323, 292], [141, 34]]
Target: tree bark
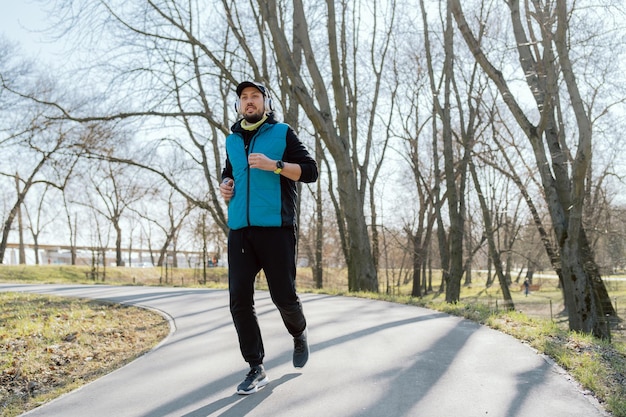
[[455, 238]]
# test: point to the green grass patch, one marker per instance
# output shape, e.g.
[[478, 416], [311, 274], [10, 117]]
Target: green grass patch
[[67, 274]]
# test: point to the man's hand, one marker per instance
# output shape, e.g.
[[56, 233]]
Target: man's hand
[[262, 162], [227, 189]]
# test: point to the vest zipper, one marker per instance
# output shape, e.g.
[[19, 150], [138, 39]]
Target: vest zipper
[[248, 151]]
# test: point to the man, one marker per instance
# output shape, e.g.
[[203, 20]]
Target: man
[[264, 160]]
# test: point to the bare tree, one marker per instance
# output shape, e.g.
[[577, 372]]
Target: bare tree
[[456, 106], [490, 235], [40, 153], [416, 151], [117, 188], [584, 291], [166, 212], [312, 227], [179, 87], [42, 216], [330, 101]]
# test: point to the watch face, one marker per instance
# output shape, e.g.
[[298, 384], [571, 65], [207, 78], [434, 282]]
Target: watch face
[[280, 164]]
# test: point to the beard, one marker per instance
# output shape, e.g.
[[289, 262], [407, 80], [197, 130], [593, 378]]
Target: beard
[[255, 117]]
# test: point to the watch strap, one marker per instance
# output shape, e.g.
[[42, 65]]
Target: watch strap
[[279, 166]]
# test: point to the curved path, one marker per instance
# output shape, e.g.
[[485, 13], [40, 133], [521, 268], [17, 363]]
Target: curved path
[[368, 359]]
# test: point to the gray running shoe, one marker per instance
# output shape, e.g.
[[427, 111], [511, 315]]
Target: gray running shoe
[[300, 350], [255, 380]]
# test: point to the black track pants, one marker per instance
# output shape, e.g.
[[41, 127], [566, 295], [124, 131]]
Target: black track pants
[[272, 249]]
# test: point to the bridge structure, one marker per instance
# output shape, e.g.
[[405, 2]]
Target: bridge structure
[[91, 255]]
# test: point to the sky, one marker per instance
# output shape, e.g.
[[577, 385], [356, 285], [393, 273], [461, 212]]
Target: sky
[[19, 22], [21, 19]]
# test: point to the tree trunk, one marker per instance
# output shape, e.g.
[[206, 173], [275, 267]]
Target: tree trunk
[[18, 203], [20, 225], [360, 262], [318, 269], [493, 250], [455, 240], [119, 260], [418, 261]]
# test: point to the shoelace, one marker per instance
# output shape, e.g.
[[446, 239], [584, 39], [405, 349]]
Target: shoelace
[[299, 345]]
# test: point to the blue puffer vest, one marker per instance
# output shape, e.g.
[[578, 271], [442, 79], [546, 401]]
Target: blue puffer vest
[[257, 200]]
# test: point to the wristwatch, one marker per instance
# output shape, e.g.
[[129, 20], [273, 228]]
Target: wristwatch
[[279, 166]]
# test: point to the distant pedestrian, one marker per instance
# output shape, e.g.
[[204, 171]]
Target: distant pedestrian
[[264, 160], [526, 287]]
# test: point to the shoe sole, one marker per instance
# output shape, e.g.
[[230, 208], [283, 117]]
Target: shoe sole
[[256, 388]]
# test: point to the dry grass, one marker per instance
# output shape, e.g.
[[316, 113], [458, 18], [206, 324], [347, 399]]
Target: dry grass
[[51, 345]]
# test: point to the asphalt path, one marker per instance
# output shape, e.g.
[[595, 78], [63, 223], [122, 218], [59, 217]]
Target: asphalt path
[[368, 359]]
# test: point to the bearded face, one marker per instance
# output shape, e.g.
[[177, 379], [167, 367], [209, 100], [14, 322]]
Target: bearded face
[[252, 104]]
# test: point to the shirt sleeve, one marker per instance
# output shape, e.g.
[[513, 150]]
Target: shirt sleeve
[[227, 172], [297, 153]]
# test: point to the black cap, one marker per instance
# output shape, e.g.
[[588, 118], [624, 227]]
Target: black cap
[[256, 85]]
